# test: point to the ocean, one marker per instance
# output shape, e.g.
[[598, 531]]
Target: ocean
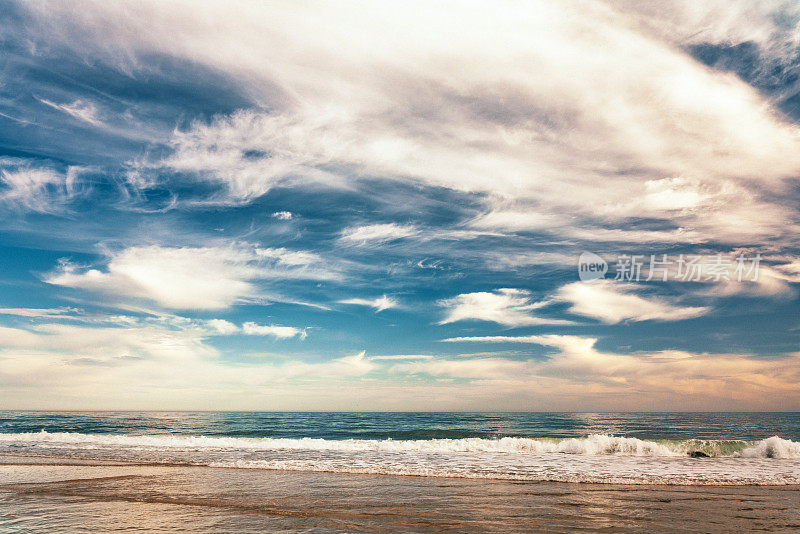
[[333, 459]]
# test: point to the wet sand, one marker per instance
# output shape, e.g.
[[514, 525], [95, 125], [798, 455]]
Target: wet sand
[[38, 495]]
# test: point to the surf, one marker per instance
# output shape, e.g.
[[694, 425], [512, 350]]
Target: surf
[[591, 445]]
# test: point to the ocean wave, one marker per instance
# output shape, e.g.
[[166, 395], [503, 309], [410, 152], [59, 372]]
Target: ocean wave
[[773, 447], [592, 445], [605, 471]]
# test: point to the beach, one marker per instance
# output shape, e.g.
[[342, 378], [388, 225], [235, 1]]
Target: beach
[[509, 266], [398, 472], [39, 494]]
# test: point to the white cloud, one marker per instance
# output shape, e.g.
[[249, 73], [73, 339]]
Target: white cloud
[[356, 365], [38, 312], [689, 210], [113, 344], [215, 327], [376, 233], [519, 218], [578, 372], [790, 269], [612, 302], [143, 365], [502, 260], [202, 278], [509, 307], [763, 281], [168, 322], [17, 338], [188, 278], [551, 340], [282, 215], [395, 357], [79, 109], [222, 327], [278, 332], [598, 102], [472, 368], [40, 189], [772, 24], [379, 303], [586, 98]]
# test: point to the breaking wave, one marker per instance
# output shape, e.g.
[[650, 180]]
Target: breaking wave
[[593, 445], [597, 458]]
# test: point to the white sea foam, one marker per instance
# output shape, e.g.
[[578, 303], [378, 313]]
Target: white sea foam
[[596, 458], [557, 468], [593, 445], [773, 447]]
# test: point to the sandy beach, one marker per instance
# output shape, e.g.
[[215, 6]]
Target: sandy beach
[[39, 494]]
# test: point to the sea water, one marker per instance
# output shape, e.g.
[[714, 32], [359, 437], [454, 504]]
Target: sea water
[[621, 448]]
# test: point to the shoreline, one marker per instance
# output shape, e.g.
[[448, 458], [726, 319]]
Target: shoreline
[[214, 499], [39, 460]]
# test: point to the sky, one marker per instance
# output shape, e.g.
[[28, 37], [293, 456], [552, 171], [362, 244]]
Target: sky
[[385, 205]]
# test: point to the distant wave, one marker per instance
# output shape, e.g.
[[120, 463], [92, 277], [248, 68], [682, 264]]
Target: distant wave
[[593, 445]]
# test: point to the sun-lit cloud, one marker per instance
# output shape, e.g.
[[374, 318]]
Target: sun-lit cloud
[[509, 307], [87, 362], [225, 184], [636, 378], [431, 104], [203, 278], [769, 24], [612, 302], [176, 278], [90, 361], [222, 326]]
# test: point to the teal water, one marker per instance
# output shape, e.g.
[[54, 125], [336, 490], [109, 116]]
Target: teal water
[[625, 448], [411, 426]]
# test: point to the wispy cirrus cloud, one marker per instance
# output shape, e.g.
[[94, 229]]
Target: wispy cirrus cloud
[[507, 306], [550, 340], [612, 302], [379, 303], [276, 331], [79, 109], [38, 312], [30, 186], [168, 322], [679, 143], [374, 234], [265, 163]]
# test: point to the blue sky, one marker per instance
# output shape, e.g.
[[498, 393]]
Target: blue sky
[[368, 206]]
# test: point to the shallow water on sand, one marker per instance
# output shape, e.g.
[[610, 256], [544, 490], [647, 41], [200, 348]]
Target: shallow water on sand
[[202, 499]]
